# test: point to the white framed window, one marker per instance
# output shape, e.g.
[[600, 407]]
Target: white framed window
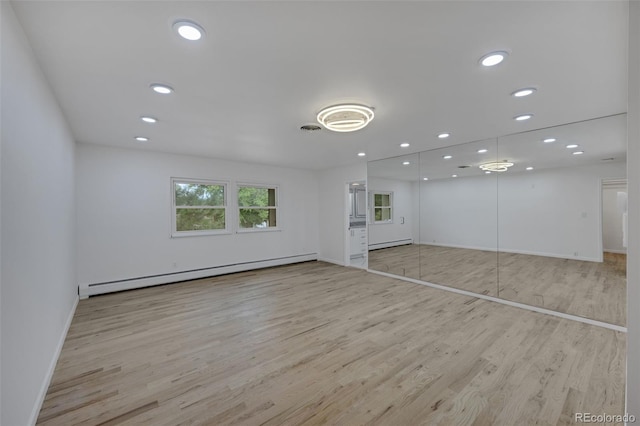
[[382, 207], [257, 207], [199, 207]]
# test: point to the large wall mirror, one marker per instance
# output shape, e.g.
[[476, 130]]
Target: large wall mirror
[[536, 217]]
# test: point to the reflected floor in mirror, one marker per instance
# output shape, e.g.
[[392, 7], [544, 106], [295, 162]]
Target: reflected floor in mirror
[[588, 289]]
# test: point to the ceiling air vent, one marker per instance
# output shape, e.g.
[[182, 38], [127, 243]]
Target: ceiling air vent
[[310, 128]]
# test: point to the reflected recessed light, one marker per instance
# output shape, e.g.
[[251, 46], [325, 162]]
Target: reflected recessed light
[[444, 135], [493, 58], [405, 163], [522, 117], [454, 175], [549, 140], [521, 93], [163, 89], [425, 178], [573, 145], [149, 119], [447, 157], [529, 168], [487, 172], [355, 184], [361, 154], [578, 152], [141, 139], [404, 145], [482, 151], [188, 30]]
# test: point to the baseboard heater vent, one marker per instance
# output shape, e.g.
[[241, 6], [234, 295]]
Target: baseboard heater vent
[[388, 244], [95, 289]]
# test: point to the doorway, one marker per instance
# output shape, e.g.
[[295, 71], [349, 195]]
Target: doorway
[[357, 229]]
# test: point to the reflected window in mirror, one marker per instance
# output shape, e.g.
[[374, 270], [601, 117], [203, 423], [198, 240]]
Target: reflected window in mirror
[[382, 207]]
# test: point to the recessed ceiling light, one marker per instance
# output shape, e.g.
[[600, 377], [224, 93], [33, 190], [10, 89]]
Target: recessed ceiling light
[[163, 89], [493, 58], [454, 175], [345, 117], [149, 119], [578, 152], [573, 145], [447, 157], [522, 117], [482, 151], [521, 93], [425, 178], [444, 135], [361, 154], [141, 139], [405, 163], [405, 145], [188, 30], [487, 172], [549, 140], [529, 168]]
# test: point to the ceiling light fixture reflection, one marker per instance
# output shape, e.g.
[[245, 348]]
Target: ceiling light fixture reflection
[[482, 151], [361, 154], [493, 58], [345, 117], [405, 163], [149, 119], [521, 93], [529, 168], [578, 153], [523, 117], [496, 166], [488, 172], [454, 175], [141, 139], [425, 178], [549, 140], [163, 89], [188, 30], [405, 145], [447, 157], [444, 135], [571, 146]]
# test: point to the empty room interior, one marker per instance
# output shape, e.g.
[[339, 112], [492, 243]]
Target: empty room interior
[[310, 212]]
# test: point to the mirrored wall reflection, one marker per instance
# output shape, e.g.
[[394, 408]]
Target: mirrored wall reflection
[[393, 215], [458, 238], [552, 226], [536, 217]]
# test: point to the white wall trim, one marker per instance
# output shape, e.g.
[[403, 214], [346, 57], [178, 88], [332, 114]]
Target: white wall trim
[[506, 302], [335, 262], [94, 289], [532, 253], [52, 366], [388, 244]]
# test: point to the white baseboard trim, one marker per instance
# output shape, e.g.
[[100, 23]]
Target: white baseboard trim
[[335, 262], [95, 289], [528, 252], [388, 244], [616, 251], [506, 302], [52, 366]]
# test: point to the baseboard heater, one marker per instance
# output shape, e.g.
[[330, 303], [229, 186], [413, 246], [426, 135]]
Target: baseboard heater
[[95, 289], [388, 244]]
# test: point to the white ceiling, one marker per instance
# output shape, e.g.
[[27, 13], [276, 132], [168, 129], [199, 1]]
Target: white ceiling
[[266, 68]]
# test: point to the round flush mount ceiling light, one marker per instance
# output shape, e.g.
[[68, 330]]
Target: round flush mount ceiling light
[[188, 30], [148, 119], [444, 135], [493, 58], [497, 166], [522, 117], [141, 139], [163, 89], [521, 93], [345, 117]]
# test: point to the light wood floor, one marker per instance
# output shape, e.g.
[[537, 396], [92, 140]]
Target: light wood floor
[[315, 343], [589, 289]]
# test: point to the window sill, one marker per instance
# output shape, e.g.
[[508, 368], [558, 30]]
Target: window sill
[[252, 230], [199, 233]]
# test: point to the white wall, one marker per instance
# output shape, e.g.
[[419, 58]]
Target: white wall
[[633, 250], [548, 212], [612, 219], [124, 215], [459, 212], [37, 230], [403, 207], [334, 199]]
